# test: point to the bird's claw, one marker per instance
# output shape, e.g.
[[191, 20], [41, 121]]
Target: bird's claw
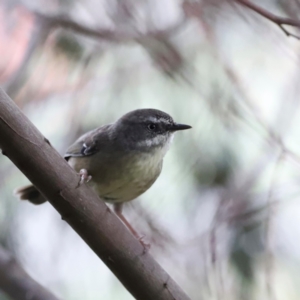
[[145, 244], [84, 176]]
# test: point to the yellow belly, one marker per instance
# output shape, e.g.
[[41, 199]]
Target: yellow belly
[[120, 180]]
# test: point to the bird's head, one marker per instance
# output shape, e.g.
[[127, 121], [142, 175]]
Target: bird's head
[[146, 129]]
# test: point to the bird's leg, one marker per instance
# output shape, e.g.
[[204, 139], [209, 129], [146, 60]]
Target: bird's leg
[[84, 176], [118, 207]]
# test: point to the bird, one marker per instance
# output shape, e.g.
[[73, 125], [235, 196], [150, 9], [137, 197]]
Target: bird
[[121, 160]]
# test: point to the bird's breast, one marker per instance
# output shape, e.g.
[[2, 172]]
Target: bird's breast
[[121, 178]]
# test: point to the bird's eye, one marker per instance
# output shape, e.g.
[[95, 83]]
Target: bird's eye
[[151, 126]]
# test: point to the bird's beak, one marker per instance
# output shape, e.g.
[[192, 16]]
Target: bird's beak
[[176, 127]]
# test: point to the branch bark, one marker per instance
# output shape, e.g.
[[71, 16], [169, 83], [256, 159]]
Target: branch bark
[[16, 283], [78, 204]]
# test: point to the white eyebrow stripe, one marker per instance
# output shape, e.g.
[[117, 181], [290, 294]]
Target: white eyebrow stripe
[[152, 119], [158, 120], [164, 121]]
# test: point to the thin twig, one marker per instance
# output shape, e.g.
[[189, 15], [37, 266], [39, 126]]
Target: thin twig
[[280, 21]]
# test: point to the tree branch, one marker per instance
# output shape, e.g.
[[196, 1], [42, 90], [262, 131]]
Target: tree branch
[[78, 204], [280, 21], [65, 22], [16, 283]]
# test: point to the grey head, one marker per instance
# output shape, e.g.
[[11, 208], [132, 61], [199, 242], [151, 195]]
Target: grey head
[[146, 129]]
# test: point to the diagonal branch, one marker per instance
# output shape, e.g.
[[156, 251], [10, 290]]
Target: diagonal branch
[[78, 204], [65, 22], [280, 21], [16, 283], [118, 36]]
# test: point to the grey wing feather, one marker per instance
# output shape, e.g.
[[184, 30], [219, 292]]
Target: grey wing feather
[[87, 144]]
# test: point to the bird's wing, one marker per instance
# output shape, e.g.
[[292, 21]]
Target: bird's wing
[[89, 143]]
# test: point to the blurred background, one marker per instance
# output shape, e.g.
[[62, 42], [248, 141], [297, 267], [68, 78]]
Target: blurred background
[[224, 216]]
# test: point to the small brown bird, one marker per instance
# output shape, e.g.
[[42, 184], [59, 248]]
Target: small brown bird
[[120, 160]]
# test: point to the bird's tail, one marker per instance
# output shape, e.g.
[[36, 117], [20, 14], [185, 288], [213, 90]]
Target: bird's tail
[[31, 194]]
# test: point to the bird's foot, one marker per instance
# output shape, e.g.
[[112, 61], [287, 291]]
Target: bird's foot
[[144, 243], [140, 238], [84, 176]]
